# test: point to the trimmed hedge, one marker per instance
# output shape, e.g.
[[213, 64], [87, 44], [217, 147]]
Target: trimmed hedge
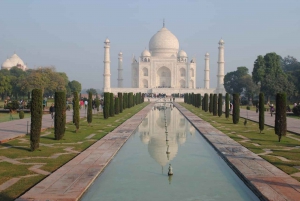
[[117, 106], [215, 105], [220, 101], [106, 105], [112, 105], [236, 108], [120, 96], [36, 110], [227, 106], [76, 116], [89, 117], [211, 103], [21, 114], [125, 100], [280, 115], [60, 115], [205, 102], [261, 116]]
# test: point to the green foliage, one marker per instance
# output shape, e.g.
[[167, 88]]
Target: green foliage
[[215, 104], [76, 116], [60, 115], [112, 105], [248, 107], [130, 99], [97, 103], [21, 114], [75, 86], [92, 90], [125, 100], [117, 106], [211, 103], [36, 118], [120, 96], [220, 101], [89, 109], [296, 110], [280, 115], [13, 105], [227, 105], [236, 108], [261, 112], [205, 102], [106, 105]]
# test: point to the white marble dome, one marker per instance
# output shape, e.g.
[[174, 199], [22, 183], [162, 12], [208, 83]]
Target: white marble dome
[[182, 53], [163, 43], [15, 60], [146, 53], [6, 64]]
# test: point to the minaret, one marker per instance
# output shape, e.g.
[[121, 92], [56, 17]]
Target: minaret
[[120, 70], [220, 86], [206, 71], [106, 75]]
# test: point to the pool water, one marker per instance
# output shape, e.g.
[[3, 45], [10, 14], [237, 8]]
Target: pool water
[[139, 171]]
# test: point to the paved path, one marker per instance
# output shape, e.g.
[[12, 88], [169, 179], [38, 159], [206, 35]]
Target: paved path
[[18, 128], [265, 180], [293, 125], [69, 182]]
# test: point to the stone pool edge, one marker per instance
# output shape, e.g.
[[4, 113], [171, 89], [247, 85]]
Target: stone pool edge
[[69, 182], [265, 180]]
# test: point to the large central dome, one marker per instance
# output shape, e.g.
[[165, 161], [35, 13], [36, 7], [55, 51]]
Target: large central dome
[[164, 43]]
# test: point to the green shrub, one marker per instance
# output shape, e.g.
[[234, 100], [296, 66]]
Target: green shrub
[[236, 108], [106, 105], [60, 115], [117, 106], [227, 106], [21, 114], [248, 107], [215, 105], [36, 118], [280, 115], [205, 102], [89, 109], [296, 110], [76, 116], [261, 117], [13, 105], [120, 96], [112, 105], [210, 103], [220, 101]]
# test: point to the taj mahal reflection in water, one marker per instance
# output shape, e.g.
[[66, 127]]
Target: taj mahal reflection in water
[[163, 132]]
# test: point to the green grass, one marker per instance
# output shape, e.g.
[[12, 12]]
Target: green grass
[[267, 139], [19, 149], [6, 116]]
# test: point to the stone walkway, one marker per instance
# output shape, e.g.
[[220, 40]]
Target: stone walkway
[[19, 128], [69, 182], [264, 179]]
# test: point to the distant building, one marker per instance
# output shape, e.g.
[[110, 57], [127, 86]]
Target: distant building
[[13, 61]]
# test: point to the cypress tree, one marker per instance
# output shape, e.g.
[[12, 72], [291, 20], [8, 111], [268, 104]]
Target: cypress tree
[[36, 110], [261, 108], [143, 97], [125, 104], [89, 109], [130, 99], [97, 102], [76, 110], [117, 105], [106, 105], [60, 114], [220, 101], [236, 108], [111, 106], [200, 100], [210, 103], [120, 96], [227, 106], [215, 105], [280, 115], [205, 102]]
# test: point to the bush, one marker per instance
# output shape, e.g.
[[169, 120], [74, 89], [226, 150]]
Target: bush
[[261, 109], [205, 102], [296, 110], [36, 118], [60, 115], [89, 109], [236, 108], [220, 104], [76, 117], [215, 105], [248, 107], [280, 115], [21, 114], [120, 96], [227, 106], [210, 103], [106, 105], [13, 105]]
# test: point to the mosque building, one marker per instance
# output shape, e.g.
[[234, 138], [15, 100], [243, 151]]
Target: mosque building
[[164, 68], [14, 60]]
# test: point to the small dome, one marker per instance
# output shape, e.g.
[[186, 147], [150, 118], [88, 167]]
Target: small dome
[[206, 54], [146, 53], [120, 53], [106, 40], [7, 64], [182, 53], [15, 60], [221, 42]]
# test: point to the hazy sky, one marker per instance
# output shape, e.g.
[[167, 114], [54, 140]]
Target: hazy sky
[[69, 34]]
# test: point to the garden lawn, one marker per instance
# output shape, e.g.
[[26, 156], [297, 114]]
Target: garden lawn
[[16, 159], [285, 154]]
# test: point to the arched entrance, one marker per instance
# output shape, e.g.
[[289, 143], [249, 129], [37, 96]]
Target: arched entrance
[[163, 77]]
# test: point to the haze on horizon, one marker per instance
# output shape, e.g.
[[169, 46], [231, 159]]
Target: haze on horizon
[[70, 34]]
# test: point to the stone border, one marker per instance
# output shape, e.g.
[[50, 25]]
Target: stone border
[[70, 181], [265, 180]]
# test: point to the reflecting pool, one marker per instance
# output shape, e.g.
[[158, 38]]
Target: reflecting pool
[[140, 170]]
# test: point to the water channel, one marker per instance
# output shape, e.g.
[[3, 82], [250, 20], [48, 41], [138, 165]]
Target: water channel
[[139, 171]]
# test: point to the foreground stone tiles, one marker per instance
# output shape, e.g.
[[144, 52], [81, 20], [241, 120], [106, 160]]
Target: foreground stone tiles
[[69, 182], [265, 180]]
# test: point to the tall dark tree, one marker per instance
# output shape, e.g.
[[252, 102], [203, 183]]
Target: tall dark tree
[[227, 106], [89, 109], [215, 105], [60, 115], [211, 103], [36, 110], [236, 108], [125, 100], [106, 105], [205, 102], [120, 95], [117, 105], [220, 101], [130, 99], [112, 105], [261, 112], [280, 115], [76, 116]]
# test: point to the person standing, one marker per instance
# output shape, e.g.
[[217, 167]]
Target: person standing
[[52, 110]]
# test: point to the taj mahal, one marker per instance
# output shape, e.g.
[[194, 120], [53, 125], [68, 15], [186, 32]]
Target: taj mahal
[[164, 68]]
